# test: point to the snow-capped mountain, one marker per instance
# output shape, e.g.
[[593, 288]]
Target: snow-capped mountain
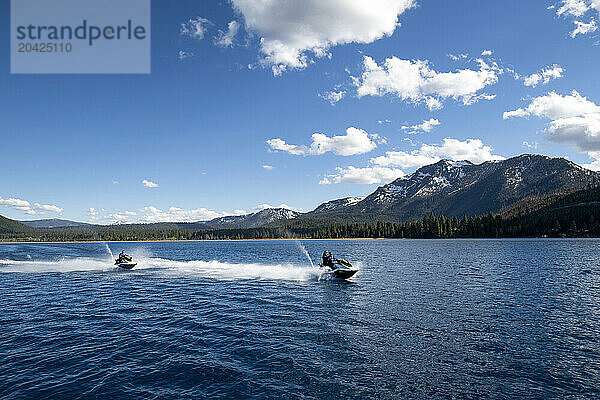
[[253, 220], [462, 188], [338, 203]]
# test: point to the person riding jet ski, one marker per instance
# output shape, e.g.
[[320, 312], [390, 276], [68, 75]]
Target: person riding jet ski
[[123, 257], [328, 259], [339, 268]]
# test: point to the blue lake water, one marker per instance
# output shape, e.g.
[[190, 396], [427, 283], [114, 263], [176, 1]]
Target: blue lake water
[[422, 319]]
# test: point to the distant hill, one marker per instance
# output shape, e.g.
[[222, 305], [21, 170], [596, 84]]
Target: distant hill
[[462, 188], [253, 220], [52, 223], [10, 226]]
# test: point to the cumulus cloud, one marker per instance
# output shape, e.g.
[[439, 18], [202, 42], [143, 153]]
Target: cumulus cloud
[[17, 204], [149, 184], [574, 119], [366, 176], [417, 82], [575, 8], [266, 206], [583, 28], [426, 126], [578, 9], [389, 167], [486, 53], [291, 31], [457, 57], [48, 207], [472, 150], [121, 217], [355, 141], [176, 214], [533, 145], [25, 206], [182, 55], [333, 96], [195, 28], [268, 167], [152, 214], [594, 165], [544, 76], [225, 38]]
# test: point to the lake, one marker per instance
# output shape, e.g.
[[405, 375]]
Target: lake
[[421, 319]]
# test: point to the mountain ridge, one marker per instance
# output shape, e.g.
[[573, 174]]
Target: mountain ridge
[[457, 188]]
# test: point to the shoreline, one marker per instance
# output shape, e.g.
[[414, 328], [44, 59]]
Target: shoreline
[[287, 239], [187, 241]]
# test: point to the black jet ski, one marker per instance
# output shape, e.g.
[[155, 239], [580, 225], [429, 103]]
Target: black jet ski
[[341, 269], [125, 262]]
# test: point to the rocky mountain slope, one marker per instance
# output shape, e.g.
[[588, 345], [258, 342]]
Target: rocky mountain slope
[[253, 220], [462, 188]]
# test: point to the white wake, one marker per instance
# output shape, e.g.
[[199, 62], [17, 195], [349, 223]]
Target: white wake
[[194, 268]]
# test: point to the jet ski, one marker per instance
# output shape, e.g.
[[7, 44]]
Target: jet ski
[[125, 261], [341, 269], [125, 265]]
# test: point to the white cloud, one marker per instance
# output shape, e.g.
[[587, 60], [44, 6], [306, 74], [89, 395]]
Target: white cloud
[[356, 141], [268, 167], [290, 30], [333, 96], [195, 28], [48, 207], [176, 214], [115, 182], [554, 106], [149, 184], [17, 204], [151, 214], [384, 121], [225, 38], [533, 145], [457, 57], [366, 176], [121, 217], [575, 8], [486, 53], [471, 150], [426, 126], [574, 119], [182, 55], [584, 28], [416, 81], [594, 165], [544, 76], [389, 167], [266, 206], [25, 206]]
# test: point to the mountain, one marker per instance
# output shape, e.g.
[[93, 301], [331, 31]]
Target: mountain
[[10, 226], [52, 223], [253, 220], [337, 204], [463, 188]]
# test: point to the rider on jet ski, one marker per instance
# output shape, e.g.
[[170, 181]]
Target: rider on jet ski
[[123, 258], [328, 259]]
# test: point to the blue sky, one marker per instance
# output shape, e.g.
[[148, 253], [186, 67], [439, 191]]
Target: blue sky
[[224, 122]]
